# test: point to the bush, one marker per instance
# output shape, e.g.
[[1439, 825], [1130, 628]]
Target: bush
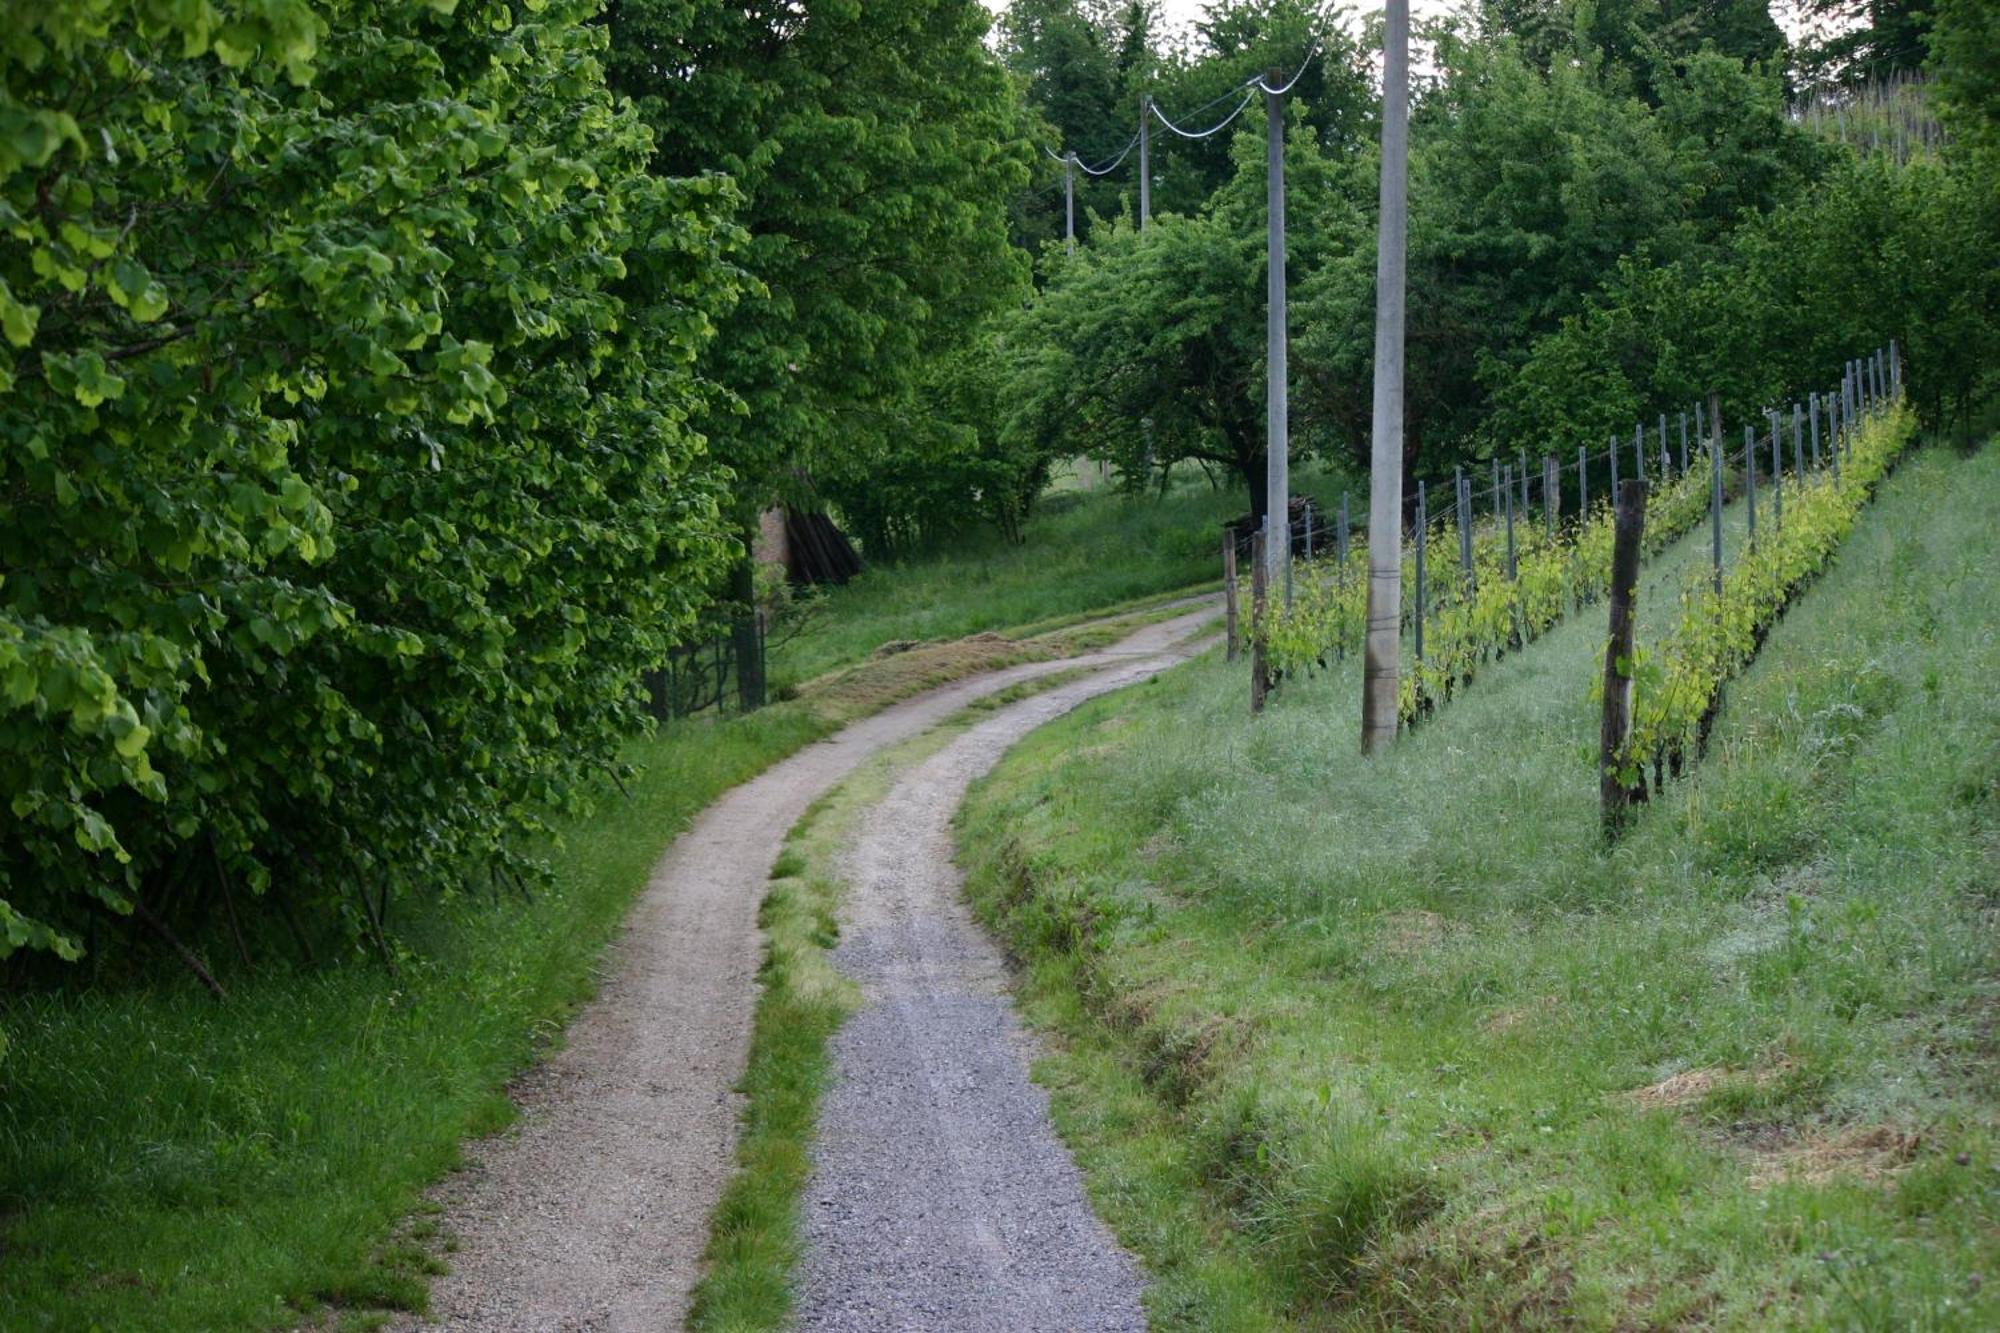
[[344, 485]]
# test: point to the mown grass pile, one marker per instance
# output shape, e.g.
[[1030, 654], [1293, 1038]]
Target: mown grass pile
[[1402, 1044]]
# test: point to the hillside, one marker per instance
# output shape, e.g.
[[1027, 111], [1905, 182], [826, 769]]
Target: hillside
[[1402, 1045]]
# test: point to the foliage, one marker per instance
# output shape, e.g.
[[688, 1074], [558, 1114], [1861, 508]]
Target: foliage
[[950, 468], [1471, 622], [1877, 252], [1527, 189], [347, 485], [1146, 348], [1851, 43], [875, 146], [1677, 685], [1965, 56]]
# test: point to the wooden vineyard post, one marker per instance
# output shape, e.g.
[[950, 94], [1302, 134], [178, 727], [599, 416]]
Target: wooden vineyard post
[[1614, 469], [1777, 475], [1229, 592], [1812, 422], [1684, 443], [1423, 531], [1463, 499], [1552, 495], [1340, 576], [1750, 480], [1666, 458], [1521, 464], [1715, 508], [1834, 406], [1582, 484], [1715, 419], [1615, 794], [1259, 579], [1639, 450], [1508, 478]]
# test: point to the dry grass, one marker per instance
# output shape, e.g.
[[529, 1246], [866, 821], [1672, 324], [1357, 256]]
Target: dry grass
[[1870, 1154]]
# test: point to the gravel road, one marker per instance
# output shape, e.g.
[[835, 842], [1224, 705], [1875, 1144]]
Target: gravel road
[[593, 1214], [941, 1198]]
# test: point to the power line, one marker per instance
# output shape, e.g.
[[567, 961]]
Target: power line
[[1216, 128], [1106, 170]]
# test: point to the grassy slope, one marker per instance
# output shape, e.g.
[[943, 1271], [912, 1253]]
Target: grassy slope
[[1401, 1046], [1083, 550], [170, 1163]]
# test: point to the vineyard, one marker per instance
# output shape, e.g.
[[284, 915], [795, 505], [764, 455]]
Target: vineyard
[[1679, 683], [1509, 576]]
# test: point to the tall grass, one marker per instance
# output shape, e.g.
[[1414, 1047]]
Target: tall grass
[[1402, 1044], [1082, 550]]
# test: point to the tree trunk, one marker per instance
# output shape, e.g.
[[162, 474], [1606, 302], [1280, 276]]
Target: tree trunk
[[1615, 793]]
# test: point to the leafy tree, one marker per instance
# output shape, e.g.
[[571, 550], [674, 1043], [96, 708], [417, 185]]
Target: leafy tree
[[1852, 43], [1874, 253], [875, 146], [1147, 349], [1646, 39], [1525, 189], [951, 466], [1965, 60], [1528, 188], [345, 475]]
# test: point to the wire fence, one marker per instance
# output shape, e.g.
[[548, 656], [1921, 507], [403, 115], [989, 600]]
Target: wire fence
[[721, 670]]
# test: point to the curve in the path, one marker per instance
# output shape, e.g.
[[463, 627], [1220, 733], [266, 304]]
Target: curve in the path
[[941, 1198], [594, 1213]]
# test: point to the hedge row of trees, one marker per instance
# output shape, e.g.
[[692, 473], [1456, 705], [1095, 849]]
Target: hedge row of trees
[[384, 386]]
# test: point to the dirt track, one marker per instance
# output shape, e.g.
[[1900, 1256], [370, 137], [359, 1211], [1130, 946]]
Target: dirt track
[[594, 1213], [941, 1197]]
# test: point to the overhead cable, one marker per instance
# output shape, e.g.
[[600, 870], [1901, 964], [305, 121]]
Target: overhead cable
[[1216, 128], [1112, 166]]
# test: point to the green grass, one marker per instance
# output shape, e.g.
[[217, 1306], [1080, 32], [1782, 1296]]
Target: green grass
[[754, 1238], [168, 1162], [1401, 1044], [1083, 550]]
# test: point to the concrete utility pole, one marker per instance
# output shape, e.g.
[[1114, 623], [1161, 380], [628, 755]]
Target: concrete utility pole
[[1069, 202], [1385, 469], [1277, 442], [1145, 160]]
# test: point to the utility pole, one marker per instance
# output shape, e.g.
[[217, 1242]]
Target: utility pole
[[1069, 202], [1277, 443], [1385, 469], [1145, 160]]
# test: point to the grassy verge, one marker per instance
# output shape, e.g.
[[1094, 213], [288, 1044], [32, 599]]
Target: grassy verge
[[1402, 1045], [167, 1162], [170, 1163]]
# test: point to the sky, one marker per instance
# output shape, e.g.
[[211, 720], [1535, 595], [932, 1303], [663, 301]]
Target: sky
[[1179, 13]]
